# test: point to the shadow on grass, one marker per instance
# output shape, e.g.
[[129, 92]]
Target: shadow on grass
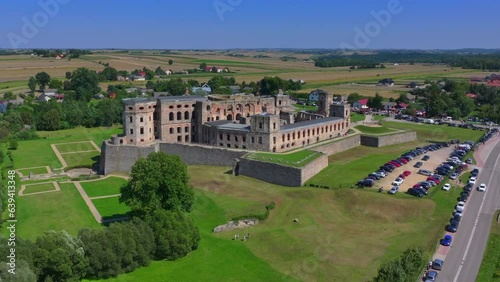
[[107, 220]]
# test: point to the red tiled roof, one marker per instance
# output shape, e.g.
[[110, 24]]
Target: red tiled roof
[[403, 105], [471, 95], [494, 83], [363, 102]]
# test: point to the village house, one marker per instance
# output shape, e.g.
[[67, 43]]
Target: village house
[[386, 82], [361, 105], [389, 106], [204, 88], [50, 92]]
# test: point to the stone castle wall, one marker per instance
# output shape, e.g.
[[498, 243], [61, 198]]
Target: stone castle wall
[[202, 155], [121, 158], [281, 174], [338, 146], [388, 139]]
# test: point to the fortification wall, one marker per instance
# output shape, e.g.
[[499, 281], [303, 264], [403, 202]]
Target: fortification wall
[[121, 158], [388, 139], [335, 147], [202, 155], [280, 174]]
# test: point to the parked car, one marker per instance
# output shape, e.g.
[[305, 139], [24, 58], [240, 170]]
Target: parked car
[[407, 173], [398, 181], [415, 192], [472, 180], [446, 241], [468, 187], [431, 276], [425, 158], [446, 187], [377, 177], [437, 264], [453, 226], [393, 190], [422, 190], [460, 206], [463, 198], [366, 183], [418, 164], [425, 172], [454, 175], [469, 161], [482, 187], [431, 178]]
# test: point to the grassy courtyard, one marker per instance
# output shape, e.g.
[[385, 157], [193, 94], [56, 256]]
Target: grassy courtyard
[[110, 207], [104, 187], [374, 129], [75, 147], [82, 159], [298, 159], [436, 132], [35, 171]]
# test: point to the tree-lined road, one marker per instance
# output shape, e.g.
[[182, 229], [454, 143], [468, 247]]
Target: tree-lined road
[[469, 243]]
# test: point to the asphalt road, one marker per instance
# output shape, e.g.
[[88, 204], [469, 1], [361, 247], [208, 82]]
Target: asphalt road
[[464, 258]]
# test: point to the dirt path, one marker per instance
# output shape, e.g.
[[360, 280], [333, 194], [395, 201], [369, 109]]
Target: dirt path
[[88, 201], [104, 197], [59, 156]]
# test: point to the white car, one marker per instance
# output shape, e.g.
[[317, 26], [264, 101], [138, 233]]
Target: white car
[[446, 187], [460, 206], [398, 181], [482, 187], [472, 180]]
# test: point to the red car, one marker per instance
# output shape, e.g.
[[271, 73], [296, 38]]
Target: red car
[[402, 175], [416, 186], [407, 173], [433, 179], [403, 161], [395, 163]]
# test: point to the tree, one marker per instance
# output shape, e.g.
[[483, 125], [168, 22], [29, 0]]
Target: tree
[[85, 83], [56, 84], [59, 257], [160, 181], [176, 86], [170, 62], [9, 96], [353, 97], [42, 78], [13, 144], [193, 83], [108, 74], [159, 71], [203, 66], [32, 84], [68, 75], [375, 102], [403, 99], [175, 234], [50, 120]]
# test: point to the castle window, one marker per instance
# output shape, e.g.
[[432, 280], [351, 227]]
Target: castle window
[[308, 132], [236, 146], [171, 116], [304, 133], [131, 131], [186, 115], [220, 137], [171, 130], [142, 130], [288, 137], [274, 125], [186, 106], [244, 147], [244, 139], [186, 138], [179, 138], [274, 140], [217, 118], [253, 139], [131, 141], [220, 144], [208, 108], [228, 137], [228, 145], [179, 116], [279, 102], [293, 136], [130, 108], [141, 119], [171, 107], [178, 106], [130, 119], [260, 140], [149, 118], [141, 108], [121, 141], [149, 130], [260, 125], [236, 138], [142, 140], [186, 129], [178, 130]]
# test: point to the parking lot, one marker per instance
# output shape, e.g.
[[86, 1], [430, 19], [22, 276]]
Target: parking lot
[[436, 158]]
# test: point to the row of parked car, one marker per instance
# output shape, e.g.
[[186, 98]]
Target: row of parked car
[[488, 135]]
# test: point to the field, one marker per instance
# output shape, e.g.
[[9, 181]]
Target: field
[[297, 159], [34, 170], [490, 267], [108, 186], [110, 207], [15, 70], [75, 147], [374, 129], [355, 117], [82, 159], [62, 210], [436, 132]]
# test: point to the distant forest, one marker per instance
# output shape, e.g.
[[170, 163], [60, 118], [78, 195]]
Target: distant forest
[[469, 61]]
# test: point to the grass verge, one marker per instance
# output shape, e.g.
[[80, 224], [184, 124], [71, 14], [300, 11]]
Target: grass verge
[[296, 159], [374, 129], [490, 267]]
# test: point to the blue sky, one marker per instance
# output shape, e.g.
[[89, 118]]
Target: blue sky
[[224, 24]]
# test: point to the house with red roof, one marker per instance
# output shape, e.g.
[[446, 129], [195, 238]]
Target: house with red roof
[[494, 83], [471, 95], [361, 105], [402, 106]]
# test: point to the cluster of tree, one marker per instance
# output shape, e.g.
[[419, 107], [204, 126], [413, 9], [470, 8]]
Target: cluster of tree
[[488, 102], [150, 74], [71, 53], [159, 195], [470, 61], [403, 269], [174, 86], [368, 66], [272, 85], [288, 58]]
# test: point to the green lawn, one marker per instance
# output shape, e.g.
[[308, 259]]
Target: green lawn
[[374, 129], [490, 267], [33, 188], [75, 147], [357, 117], [346, 168], [63, 210], [436, 132], [110, 207], [81, 159], [108, 186], [306, 108], [36, 170], [298, 159], [38, 152], [218, 258]]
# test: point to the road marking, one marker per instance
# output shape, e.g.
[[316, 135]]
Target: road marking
[[477, 218]]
